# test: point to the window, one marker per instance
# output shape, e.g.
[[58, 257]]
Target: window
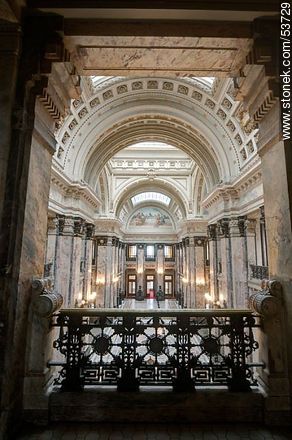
[[132, 251], [131, 285], [150, 251], [168, 285], [168, 251], [145, 196]]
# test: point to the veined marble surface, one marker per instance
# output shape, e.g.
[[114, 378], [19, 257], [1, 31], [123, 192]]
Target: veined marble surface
[[149, 304]]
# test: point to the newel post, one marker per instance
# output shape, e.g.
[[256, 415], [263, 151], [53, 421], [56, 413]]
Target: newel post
[[272, 339]]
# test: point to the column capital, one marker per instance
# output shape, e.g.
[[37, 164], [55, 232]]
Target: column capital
[[212, 232], [78, 226], [237, 226], [89, 231], [250, 225], [53, 223], [223, 227], [101, 240], [66, 225], [200, 241]]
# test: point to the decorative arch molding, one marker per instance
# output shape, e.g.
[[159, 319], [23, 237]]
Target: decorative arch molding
[[215, 118], [166, 187], [157, 128]]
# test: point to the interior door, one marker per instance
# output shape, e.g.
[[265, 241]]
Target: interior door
[[150, 279]]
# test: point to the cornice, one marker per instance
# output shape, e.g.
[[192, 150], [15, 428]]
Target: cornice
[[75, 190]]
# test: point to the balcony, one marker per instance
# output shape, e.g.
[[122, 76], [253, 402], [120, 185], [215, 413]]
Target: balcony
[[259, 272], [179, 349]]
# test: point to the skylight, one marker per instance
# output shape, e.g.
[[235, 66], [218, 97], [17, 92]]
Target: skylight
[[146, 196]]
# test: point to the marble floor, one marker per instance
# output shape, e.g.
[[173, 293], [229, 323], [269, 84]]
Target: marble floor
[[134, 431], [149, 304]]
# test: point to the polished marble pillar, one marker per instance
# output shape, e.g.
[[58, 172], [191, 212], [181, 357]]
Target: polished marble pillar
[[201, 284], [239, 262], [88, 245], [64, 255]]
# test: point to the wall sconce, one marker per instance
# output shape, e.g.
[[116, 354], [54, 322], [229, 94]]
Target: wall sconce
[[92, 296], [140, 270], [100, 280], [184, 280], [200, 282], [160, 271]]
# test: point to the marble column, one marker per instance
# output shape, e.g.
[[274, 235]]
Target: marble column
[[250, 233], [186, 289], [108, 290], [123, 268], [277, 182], [114, 290], [160, 266], [225, 279], [88, 245], [74, 260], [177, 269], [52, 245], [192, 274], [101, 256], [64, 255], [212, 236], [201, 286], [140, 266], [239, 262]]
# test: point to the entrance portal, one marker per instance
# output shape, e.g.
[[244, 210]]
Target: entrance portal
[[150, 283]]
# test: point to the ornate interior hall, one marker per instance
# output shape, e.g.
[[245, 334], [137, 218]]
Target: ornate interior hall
[[145, 227]]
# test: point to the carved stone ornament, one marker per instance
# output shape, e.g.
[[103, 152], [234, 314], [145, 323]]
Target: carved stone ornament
[[212, 232], [267, 302], [46, 301]]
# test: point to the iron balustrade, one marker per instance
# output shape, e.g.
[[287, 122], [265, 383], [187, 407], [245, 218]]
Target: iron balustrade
[[179, 348], [259, 272]]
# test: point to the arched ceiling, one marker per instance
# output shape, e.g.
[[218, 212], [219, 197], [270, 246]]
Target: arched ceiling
[[204, 124]]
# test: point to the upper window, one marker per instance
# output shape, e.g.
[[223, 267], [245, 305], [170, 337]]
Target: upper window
[[150, 251], [132, 251], [168, 251], [155, 196]]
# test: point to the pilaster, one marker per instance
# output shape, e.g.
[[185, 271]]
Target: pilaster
[[200, 280]]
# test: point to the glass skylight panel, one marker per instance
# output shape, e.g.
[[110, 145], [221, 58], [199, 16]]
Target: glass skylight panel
[[148, 196]]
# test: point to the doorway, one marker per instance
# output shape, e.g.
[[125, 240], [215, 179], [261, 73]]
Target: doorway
[[168, 286], [150, 286]]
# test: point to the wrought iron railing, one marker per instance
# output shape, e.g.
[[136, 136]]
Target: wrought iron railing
[[259, 272], [179, 348]]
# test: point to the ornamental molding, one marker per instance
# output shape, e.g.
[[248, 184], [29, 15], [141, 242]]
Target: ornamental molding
[[233, 192], [223, 110], [73, 190]]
